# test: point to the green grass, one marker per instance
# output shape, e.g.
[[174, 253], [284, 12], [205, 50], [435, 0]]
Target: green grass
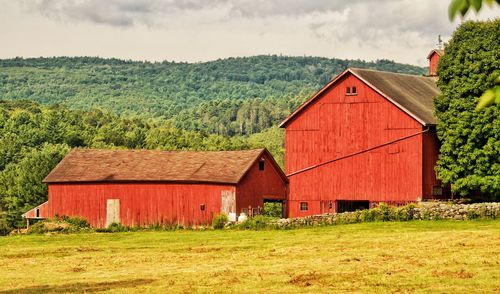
[[425, 256]]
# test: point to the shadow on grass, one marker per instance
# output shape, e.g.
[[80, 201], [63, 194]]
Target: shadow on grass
[[80, 287]]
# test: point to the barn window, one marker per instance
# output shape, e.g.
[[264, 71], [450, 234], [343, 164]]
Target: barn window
[[354, 91], [261, 164], [348, 90], [304, 206], [37, 211], [437, 191], [202, 207]]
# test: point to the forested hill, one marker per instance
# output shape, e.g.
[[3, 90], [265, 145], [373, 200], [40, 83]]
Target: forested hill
[[234, 96]]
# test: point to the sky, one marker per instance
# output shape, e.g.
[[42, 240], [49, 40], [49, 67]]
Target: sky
[[203, 30]]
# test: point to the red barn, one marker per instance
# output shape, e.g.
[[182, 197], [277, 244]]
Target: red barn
[[143, 187], [366, 137]]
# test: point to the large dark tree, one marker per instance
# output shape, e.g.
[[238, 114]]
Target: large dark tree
[[470, 152]]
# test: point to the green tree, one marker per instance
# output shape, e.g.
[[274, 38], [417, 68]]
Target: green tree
[[21, 186], [470, 151], [491, 95], [464, 6]]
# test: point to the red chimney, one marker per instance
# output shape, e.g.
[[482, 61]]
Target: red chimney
[[433, 57]]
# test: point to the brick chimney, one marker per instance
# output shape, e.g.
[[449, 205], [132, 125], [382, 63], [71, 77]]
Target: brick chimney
[[433, 57]]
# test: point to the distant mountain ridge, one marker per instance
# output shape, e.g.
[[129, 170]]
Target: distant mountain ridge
[[232, 96]]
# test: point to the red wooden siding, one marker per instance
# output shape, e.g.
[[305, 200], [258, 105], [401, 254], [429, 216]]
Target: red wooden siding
[[337, 125], [148, 203], [258, 185], [140, 203], [43, 212], [433, 63]]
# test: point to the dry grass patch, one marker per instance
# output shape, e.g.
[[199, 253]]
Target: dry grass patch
[[439, 256]]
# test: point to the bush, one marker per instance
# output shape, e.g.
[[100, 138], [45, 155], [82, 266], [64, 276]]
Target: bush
[[384, 213], [219, 221], [367, 215], [258, 222], [60, 224], [116, 228], [48, 226], [77, 222], [273, 209], [5, 228]]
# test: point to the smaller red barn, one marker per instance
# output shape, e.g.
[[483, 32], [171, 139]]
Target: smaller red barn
[[144, 187]]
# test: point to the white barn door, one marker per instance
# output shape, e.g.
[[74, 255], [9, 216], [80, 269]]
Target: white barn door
[[228, 202], [112, 211]]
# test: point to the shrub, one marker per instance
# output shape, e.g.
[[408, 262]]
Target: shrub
[[367, 215], [5, 228], [60, 224], [384, 213], [77, 222], [219, 221], [114, 228], [258, 222], [273, 209], [48, 226], [405, 213]]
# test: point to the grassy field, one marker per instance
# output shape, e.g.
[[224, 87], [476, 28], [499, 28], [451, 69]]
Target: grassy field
[[427, 256]]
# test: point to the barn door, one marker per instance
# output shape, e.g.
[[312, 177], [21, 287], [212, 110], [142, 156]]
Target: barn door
[[228, 202], [112, 211]]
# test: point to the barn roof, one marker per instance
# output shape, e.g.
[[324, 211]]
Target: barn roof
[[91, 165], [412, 94], [439, 52]]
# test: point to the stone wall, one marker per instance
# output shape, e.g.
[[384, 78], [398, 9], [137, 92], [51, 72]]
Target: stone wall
[[421, 211]]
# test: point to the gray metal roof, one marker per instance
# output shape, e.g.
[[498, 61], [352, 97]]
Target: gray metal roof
[[413, 94]]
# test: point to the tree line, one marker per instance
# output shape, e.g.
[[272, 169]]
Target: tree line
[[242, 95]]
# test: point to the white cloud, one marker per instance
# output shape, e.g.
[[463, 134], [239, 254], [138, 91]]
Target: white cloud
[[195, 30]]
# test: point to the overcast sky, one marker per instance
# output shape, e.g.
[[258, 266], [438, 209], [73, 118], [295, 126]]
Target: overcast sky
[[201, 30]]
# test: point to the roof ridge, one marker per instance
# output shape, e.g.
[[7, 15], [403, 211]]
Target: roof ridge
[[159, 150], [100, 165], [389, 72]]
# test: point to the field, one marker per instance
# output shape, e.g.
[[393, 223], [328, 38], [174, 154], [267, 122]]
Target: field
[[426, 256]]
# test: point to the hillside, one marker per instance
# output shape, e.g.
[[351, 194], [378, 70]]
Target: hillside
[[234, 96]]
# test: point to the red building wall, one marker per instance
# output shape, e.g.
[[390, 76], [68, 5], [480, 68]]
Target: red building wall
[[433, 64], [336, 125], [430, 156], [266, 184], [140, 203]]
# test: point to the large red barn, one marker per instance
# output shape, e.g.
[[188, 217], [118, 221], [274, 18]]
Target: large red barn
[[143, 187], [366, 137]]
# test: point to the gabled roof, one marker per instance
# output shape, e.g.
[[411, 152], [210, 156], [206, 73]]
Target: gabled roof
[[412, 94], [91, 165], [439, 52]]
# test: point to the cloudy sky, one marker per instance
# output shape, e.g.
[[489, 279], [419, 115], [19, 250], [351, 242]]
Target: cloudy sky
[[201, 30]]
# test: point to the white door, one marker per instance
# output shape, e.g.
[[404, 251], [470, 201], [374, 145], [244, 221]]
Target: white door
[[228, 202], [112, 211]]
